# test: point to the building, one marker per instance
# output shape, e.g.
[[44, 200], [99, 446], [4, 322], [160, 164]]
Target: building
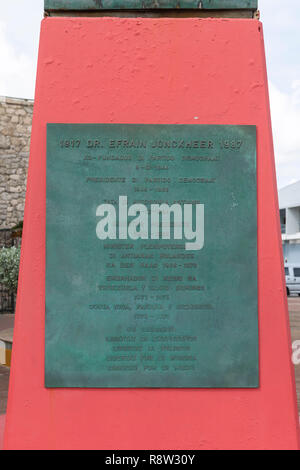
[[289, 206], [15, 131]]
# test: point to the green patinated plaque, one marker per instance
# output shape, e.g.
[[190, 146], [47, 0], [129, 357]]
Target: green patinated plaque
[[151, 256], [52, 5]]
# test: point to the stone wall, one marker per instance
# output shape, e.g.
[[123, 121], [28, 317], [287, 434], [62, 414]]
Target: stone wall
[[15, 131]]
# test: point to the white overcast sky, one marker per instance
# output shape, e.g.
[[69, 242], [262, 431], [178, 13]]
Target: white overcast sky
[[19, 37]]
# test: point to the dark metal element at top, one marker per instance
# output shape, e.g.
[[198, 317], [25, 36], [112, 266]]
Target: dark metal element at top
[[52, 6]]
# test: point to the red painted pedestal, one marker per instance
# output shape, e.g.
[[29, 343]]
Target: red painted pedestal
[[164, 71]]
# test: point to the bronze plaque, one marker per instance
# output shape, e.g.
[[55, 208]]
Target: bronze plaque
[[151, 269]]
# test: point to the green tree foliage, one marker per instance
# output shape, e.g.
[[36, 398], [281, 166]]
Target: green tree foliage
[[9, 268]]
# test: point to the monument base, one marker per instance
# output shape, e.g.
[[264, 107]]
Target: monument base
[[152, 71]]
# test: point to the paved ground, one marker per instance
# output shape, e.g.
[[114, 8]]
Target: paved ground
[[6, 322], [2, 424], [4, 378]]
